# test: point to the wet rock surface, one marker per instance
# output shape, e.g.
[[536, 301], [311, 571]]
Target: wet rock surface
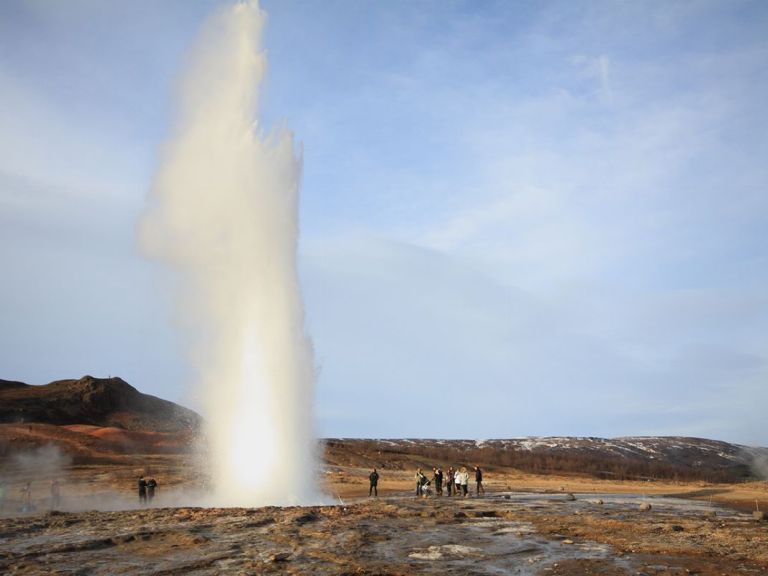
[[523, 534]]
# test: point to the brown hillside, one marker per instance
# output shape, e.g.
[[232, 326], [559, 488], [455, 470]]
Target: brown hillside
[[103, 402]]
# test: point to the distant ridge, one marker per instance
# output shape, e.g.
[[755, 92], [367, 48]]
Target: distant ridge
[[104, 402], [644, 458]]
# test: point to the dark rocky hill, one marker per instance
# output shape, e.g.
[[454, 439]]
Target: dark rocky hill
[[105, 402]]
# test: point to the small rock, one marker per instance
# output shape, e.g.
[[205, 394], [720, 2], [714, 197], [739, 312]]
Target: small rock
[[645, 507], [310, 516], [598, 501], [567, 541], [677, 528], [758, 515], [507, 497], [280, 557], [570, 497]]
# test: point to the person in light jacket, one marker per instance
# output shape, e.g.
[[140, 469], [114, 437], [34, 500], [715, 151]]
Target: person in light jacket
[[457, 482], [419, 482], [464, 482]]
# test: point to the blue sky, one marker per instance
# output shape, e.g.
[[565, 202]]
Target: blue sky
[[517, 218]]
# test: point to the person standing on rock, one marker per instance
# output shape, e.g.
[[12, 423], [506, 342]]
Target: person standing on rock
[[151, 485], [449, 480], [479, 481], [374, 479], [142, 490]]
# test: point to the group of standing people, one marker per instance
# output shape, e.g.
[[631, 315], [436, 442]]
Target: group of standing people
[[146, 490], [456, 482]]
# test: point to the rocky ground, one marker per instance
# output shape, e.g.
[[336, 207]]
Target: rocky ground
[[503, 533]]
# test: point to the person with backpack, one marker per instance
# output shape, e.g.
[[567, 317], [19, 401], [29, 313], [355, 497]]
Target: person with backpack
[[373, 477]]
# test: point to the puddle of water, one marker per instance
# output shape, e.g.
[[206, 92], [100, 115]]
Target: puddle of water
[[454, 550]]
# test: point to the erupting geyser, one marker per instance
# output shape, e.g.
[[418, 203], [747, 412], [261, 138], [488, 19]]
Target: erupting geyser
[[223, 213]]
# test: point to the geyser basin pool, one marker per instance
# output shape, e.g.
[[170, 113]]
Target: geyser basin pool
[[223, 215]]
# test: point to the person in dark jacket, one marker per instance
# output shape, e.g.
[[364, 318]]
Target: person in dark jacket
[[438, 482], [151, 485], [449, 480], [374, 479], [142, 490], [479, 481]]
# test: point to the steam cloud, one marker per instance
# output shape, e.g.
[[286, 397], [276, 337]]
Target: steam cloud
[[223, 214], [45, 462], [758, 461]]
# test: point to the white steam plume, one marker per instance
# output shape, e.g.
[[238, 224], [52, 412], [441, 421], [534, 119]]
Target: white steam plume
[[223, 214]]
